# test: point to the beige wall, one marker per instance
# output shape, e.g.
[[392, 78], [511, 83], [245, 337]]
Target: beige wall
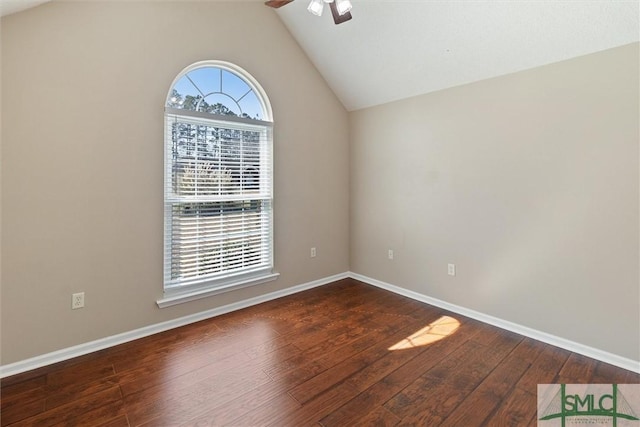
[[527, 182], [83, 88]]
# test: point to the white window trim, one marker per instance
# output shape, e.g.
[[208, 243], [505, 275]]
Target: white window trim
[[196, 294], [197, 290]]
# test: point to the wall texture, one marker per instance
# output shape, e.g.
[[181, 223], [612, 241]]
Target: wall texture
[[83, 91], [529, 183]]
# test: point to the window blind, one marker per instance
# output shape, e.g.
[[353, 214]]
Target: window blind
[[218, 199]]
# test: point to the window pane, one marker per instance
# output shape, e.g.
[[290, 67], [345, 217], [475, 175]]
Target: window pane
[[221, 104], [207, 79], [233, 85], [184, 95], [218, 181], [210, 160], [216, 91], [210, 238], [251, 106]]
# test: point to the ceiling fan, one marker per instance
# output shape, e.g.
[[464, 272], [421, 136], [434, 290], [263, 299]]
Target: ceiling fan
[[340, 9]]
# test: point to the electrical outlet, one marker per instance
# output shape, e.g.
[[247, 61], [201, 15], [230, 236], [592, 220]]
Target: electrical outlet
[[313, 252], [77, 300], [390, 254], [451, 269]]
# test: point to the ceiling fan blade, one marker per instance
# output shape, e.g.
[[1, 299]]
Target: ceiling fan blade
[[337, 18], [277, 3]]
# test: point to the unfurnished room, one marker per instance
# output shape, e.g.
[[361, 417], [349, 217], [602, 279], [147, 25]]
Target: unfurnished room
[[319, 213]]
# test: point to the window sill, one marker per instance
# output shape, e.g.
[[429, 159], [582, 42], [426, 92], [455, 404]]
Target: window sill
[[182, 297]]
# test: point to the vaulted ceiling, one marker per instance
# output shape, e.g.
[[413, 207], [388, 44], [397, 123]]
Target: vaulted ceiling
[[394, 49], [12, 6]]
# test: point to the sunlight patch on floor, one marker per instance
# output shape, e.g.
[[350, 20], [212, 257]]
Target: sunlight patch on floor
[[435, 331]]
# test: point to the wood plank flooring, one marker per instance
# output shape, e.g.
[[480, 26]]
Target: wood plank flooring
[[320, 357]]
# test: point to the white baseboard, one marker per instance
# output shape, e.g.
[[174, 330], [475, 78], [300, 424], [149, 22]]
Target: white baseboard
[[100, 344], [604, 356]]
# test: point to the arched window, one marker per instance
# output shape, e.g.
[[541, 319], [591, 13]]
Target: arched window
[[218, 183]]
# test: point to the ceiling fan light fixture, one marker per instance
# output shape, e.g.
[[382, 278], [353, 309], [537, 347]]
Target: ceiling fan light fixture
[[343, 6], [316, 7]]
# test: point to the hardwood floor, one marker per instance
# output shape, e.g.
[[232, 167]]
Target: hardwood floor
[[321, 357]]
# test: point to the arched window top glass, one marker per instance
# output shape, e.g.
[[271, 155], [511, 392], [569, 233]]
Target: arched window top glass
[[219, 88]]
